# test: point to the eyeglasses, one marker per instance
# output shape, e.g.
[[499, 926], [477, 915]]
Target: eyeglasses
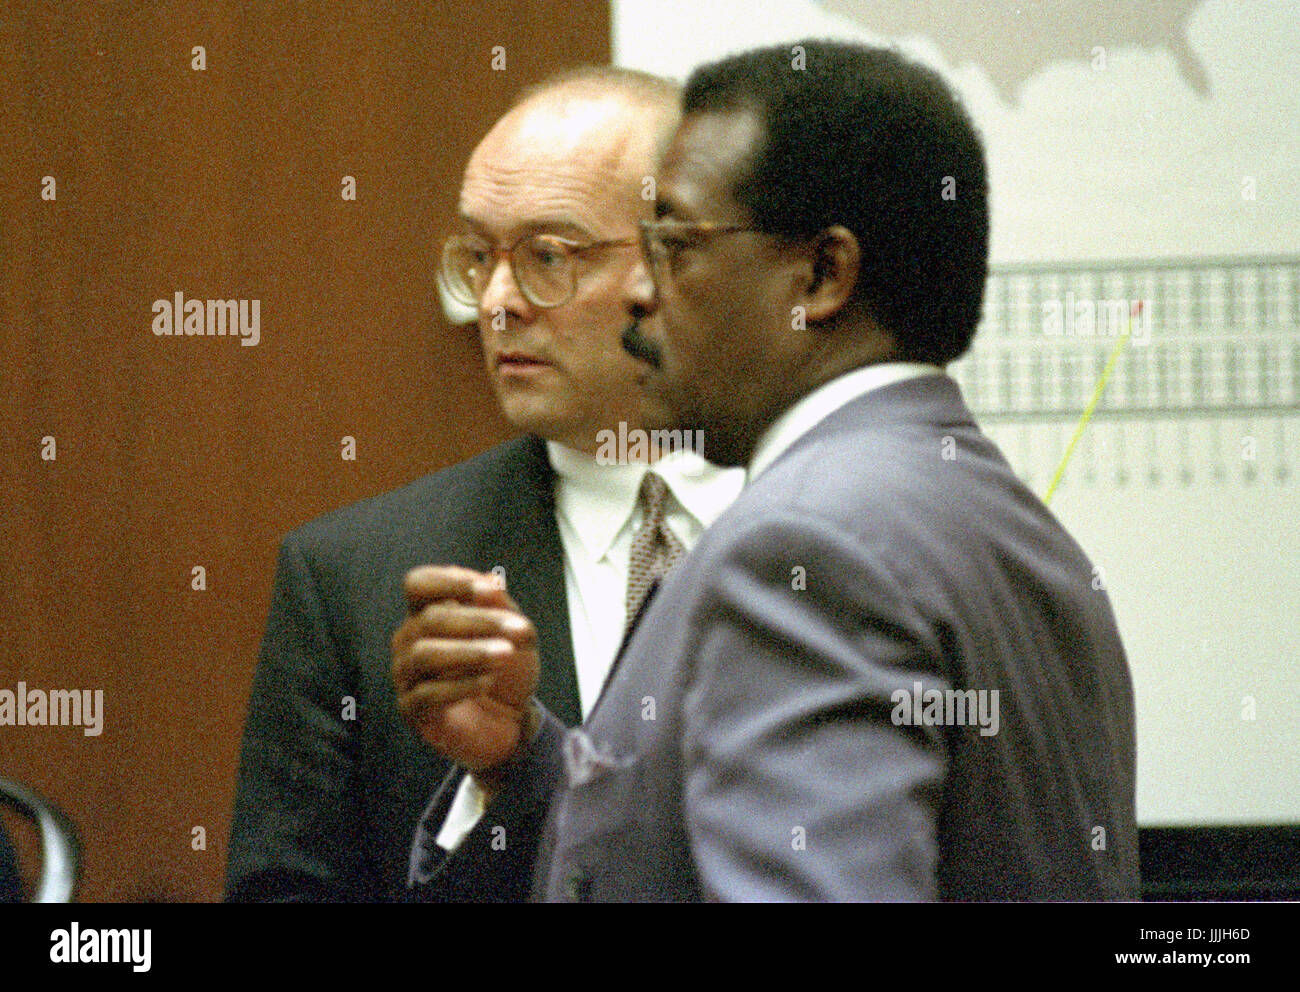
[[663, 241], [544, 266]]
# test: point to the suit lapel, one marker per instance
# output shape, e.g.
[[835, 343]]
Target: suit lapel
[[533, 557], [627, 637]]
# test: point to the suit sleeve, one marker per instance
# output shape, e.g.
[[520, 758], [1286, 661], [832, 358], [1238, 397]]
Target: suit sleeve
[[798, 784], [290, 835], [495, 861]]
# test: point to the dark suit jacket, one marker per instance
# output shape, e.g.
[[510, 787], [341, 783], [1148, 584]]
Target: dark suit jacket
[[326, 804], [750, 744], [11, 885]]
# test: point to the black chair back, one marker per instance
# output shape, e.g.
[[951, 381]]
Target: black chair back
[[60, 845]]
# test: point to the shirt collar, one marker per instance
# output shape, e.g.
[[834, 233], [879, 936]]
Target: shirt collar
[[599, 500], [816, 406], [703, 489]]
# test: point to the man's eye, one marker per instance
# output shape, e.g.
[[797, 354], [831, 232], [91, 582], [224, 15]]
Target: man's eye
[[550, 258], [675, 249], [674, 245]]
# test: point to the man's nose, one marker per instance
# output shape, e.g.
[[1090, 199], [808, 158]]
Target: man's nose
[[642, 295], [502, 295]]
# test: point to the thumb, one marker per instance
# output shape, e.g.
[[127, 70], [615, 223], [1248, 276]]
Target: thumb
[[490, 591]]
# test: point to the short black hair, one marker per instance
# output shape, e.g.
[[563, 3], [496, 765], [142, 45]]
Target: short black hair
[[865, 138]]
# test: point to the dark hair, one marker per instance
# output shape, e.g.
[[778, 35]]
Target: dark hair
[[862, 137]]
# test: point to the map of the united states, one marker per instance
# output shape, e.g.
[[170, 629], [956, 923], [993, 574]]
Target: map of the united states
[[1034, 33]]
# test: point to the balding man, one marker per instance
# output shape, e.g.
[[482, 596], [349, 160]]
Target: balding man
[[526, 549]]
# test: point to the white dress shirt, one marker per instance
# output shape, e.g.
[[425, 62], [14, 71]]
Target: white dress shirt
[[597, 511]]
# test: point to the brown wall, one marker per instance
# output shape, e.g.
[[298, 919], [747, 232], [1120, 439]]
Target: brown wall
[[176, 452]]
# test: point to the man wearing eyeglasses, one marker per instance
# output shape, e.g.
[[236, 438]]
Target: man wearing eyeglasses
[[886, 672], [533, 554]]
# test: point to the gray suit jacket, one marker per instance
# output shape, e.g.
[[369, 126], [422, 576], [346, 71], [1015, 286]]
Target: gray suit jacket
[[768, 735]]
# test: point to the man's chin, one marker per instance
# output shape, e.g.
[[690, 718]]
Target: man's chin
[[651, 381], [662, 401], [528, 413]]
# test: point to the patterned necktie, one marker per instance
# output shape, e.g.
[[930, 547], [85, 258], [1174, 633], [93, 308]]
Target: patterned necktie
[[655, 548]]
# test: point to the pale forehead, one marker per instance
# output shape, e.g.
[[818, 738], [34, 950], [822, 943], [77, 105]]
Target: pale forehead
[[564, 124], [560, 159]]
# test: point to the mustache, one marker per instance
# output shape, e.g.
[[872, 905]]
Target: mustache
[[636, 345]]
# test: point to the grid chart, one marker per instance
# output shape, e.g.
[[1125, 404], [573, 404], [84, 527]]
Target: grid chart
[[1208, 385]]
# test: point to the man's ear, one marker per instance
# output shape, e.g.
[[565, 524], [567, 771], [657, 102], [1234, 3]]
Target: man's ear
[[835, 260]]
